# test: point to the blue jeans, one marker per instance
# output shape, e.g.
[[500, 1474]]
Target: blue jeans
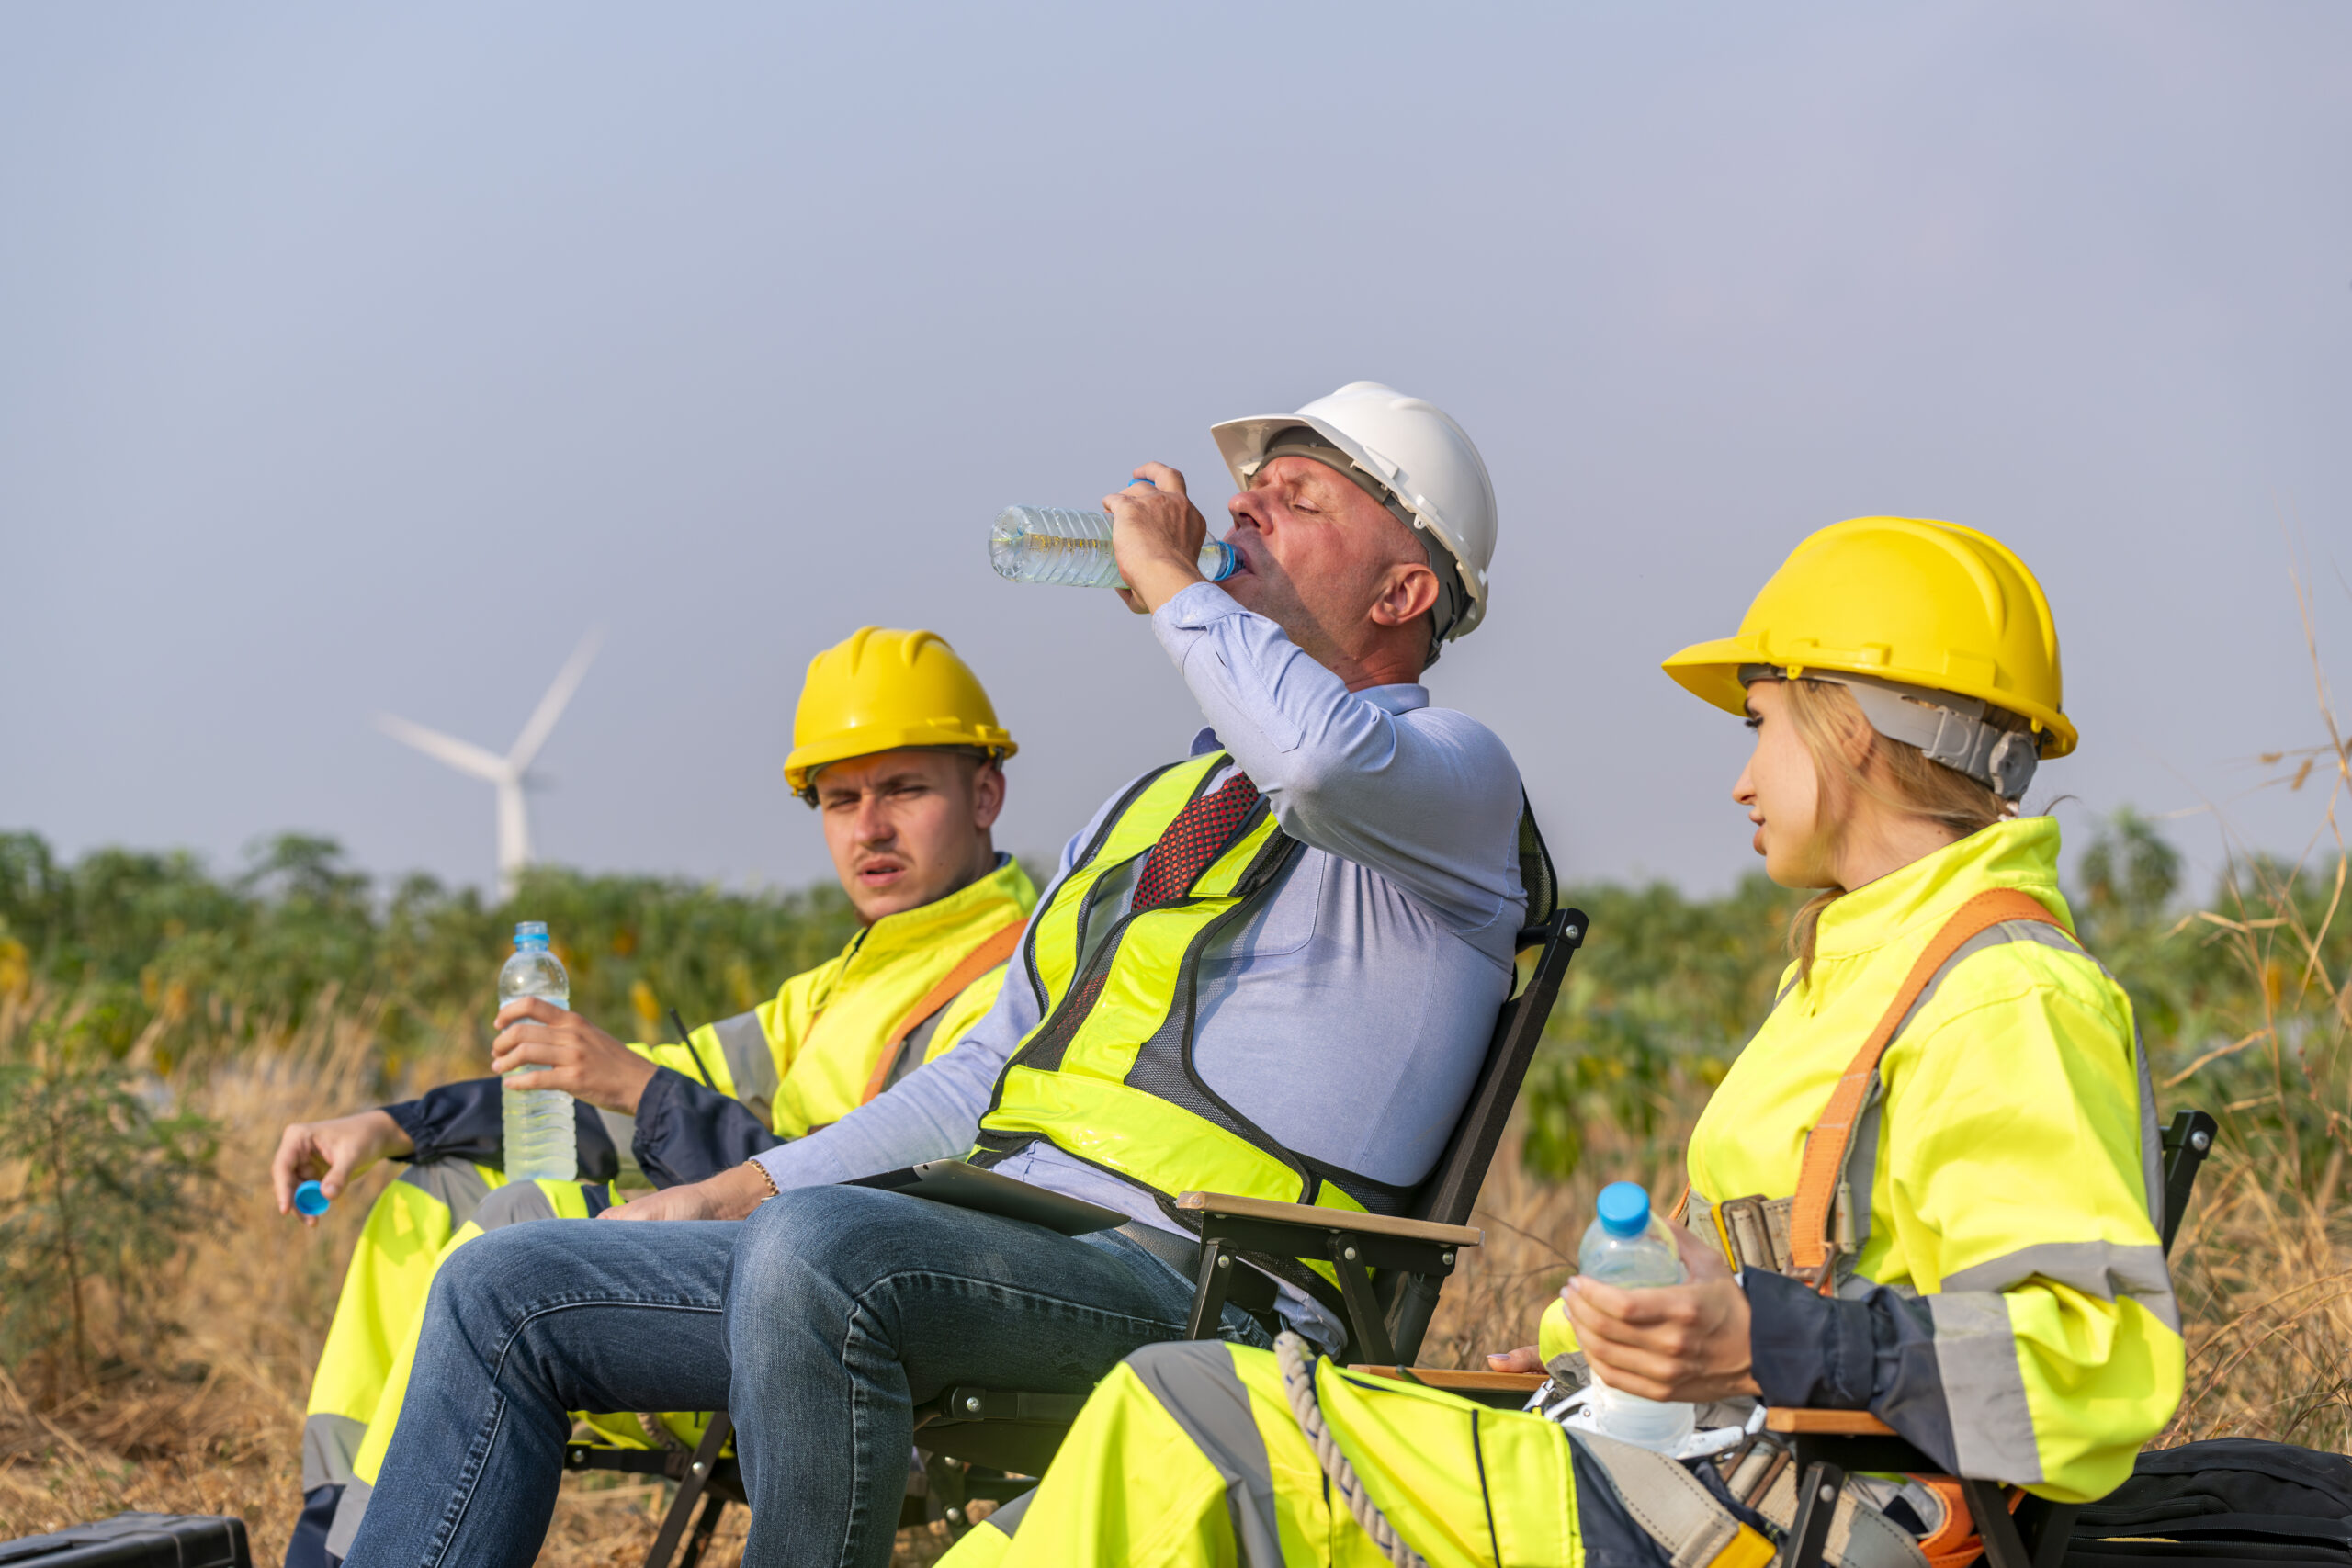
[[818, 1323]]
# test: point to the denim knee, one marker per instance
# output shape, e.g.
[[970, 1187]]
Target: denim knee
[[491, 1283], [811, 1233]]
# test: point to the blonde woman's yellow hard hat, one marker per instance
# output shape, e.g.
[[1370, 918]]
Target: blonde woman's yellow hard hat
[[881, 690], [1907, 600]]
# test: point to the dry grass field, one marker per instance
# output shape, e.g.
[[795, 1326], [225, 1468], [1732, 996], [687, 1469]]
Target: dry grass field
[[207, 1420]]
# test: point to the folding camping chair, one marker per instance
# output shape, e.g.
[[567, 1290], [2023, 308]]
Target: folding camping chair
[[990, 1443]]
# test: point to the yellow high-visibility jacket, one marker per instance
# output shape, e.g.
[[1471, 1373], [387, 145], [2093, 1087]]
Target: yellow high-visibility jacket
[[903, 991], [2005, 1305]]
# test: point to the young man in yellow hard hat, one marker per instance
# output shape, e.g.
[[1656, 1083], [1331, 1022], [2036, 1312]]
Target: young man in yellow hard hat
[[896, 746]]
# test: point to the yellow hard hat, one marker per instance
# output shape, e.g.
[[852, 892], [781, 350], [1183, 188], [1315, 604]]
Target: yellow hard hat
[[1905, 601], [883, 690]]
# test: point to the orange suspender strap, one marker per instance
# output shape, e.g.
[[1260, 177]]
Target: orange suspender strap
[[1826, 1145], [995, 949]]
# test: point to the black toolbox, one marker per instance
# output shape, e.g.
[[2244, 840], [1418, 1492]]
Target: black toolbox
[[137, 1541]]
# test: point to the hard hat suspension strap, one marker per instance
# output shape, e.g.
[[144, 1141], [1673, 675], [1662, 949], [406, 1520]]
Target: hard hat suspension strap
[[1946, 727]]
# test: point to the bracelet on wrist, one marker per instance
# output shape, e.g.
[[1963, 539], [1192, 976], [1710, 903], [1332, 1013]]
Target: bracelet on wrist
[[766, 1176]]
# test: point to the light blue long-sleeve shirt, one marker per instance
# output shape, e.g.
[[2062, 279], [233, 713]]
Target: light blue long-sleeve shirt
[[1349, 1017]]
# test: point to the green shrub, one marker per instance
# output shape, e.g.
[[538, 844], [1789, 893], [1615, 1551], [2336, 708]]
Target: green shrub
[[105, 1193]]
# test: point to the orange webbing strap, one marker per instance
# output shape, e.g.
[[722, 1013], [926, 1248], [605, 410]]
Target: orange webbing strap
[[998, 947], [1826, 1145], [1955, 1542]]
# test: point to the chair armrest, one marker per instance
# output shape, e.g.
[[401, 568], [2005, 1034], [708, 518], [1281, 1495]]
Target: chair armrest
[[1311, 1217], [1825, 1423], [1519, 1383], [1850, 1441], [1352, 1242]]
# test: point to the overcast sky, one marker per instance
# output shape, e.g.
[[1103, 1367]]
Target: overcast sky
[[360, 359]]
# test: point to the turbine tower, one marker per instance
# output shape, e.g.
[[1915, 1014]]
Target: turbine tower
[[511, 773]]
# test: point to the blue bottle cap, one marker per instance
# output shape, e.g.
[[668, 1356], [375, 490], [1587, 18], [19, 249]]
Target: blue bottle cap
[[1625, 1209], [310, 1198], [531, 934]]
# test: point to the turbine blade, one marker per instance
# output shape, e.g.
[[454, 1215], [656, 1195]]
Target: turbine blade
[[462, 755], [567, 680]]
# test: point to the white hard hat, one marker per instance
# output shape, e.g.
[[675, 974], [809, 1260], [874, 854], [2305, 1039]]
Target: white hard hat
[[1415, 449]]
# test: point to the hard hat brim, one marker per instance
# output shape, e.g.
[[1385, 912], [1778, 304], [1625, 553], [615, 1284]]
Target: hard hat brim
[[870, 740], [1710, 671], [1242, 443]]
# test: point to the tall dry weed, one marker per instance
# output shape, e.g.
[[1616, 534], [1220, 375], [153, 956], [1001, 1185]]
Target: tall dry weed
[[2264, 1266]]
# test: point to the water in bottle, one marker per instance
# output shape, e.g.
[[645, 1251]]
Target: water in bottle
[[541, 1139], [1047, 544], [1629, 1246]]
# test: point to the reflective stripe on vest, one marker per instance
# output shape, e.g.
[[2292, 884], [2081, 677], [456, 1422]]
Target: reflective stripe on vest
[[750, 1064], [1120, 1092]]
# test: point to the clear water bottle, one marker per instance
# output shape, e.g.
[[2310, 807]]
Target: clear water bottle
[[1072, 550], [540, 1140], [1630, 1247]]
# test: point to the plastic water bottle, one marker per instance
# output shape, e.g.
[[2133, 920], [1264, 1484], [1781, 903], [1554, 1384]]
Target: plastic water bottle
[[1072, 550], [1628, 1246], [541, 1144]]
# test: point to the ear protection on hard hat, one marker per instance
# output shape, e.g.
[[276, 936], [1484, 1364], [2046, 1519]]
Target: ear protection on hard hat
[[882, 689], [1948, 729]]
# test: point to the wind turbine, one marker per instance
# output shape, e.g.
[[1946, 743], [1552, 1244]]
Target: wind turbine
[[511, 773]]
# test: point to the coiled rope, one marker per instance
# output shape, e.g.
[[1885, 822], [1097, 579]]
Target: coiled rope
[[1297, 1365]]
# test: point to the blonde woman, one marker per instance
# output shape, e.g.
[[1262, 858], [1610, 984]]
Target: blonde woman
[[1934, 1164]]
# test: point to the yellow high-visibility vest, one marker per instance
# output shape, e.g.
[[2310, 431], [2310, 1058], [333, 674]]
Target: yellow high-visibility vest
[[1120, 1091], [808, 1055]]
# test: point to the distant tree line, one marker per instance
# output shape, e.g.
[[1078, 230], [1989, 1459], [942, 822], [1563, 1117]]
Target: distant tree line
[[155, 945], [2245, 994], [2241, 1001]]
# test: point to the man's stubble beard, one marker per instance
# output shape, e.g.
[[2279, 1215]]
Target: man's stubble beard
[[1274, 598]]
